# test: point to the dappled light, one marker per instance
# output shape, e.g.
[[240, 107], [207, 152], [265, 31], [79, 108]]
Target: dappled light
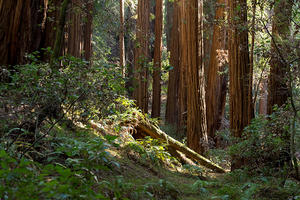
[[149, 99]]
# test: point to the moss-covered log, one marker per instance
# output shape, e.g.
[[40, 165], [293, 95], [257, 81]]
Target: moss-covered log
[[149, 129]]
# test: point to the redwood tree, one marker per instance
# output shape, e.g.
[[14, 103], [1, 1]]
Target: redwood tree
[[192, 30], [141, 55], [216, 78], [277, 87], [22, 24], [239, 71], [156, 99], [172, 108], [88, 29], [183, 64]]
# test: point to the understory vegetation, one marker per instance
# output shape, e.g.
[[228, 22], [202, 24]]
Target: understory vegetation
[[149, 100], [81, 146]]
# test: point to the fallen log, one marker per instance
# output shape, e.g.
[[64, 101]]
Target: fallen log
[[151, 130]]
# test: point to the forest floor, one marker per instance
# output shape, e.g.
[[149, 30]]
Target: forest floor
[[164, 180], [103, 161]]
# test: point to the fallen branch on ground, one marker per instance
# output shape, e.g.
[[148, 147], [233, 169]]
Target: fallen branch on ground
[[151, 130]]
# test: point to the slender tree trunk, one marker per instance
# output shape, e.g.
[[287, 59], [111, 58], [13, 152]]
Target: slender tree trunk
[[263, 100], [130, 27], [250, 87], [196, 111], [239, 71], [216, 79], [121, 38], [172, 114], [142, 55], [278, 90], [156, 99]]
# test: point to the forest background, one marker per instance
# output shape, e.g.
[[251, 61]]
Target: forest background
[[221, 77]]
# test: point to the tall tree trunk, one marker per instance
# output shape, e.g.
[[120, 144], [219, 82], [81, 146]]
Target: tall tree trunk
[[142, 55], [239, 71], [60, 32], [208, 29], [169, 21], [156, 99], [20, 29], [216, 79], [130, 27], [278, 90], [74, 38], [52, 16], [250, 87], [196, 111], [88, 30], [121, 38], [172, 114], [183, 64]]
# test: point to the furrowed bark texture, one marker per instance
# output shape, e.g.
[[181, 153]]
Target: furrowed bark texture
[[21, 26], [216, 78], [196, 111], [88, 30], [156, 98], [239, 70], [172, 110], [142, 55], [183, 64]]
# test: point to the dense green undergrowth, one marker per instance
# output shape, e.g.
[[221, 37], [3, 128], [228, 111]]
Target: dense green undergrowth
[[80, 165], [49, 149]]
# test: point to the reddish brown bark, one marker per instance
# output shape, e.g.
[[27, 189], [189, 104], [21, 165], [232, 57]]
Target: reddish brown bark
[[173, 84], [239, 71], [216, 79], [192, 35], [49, 34], [156, 99], [74, 33], [169, 22], [88, 30], [208, 29], [28, 26], [142, 55], [21, 30], [183, 64]]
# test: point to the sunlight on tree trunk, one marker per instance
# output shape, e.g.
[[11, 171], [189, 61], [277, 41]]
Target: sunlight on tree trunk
[[217, 78], [193, 45], [121, 38], [142, 55]]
